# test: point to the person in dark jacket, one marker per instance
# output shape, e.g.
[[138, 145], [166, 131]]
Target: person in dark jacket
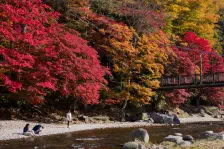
[[27, 131], [37, 129], [26, 128]]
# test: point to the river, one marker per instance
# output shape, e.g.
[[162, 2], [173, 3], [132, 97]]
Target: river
[[106, 138]]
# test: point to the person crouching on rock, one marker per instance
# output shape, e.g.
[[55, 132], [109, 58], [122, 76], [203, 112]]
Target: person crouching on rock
[[37, 129], [27, 131]]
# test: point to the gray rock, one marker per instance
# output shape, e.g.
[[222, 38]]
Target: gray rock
[[175, 139], [184, 144], [211, 134], [205, 135], [140, 135], [133, 145], [161, 118], [219, 136], [188, 138], [177, 134], [164, 118]]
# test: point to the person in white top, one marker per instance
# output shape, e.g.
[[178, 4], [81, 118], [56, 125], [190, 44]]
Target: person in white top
[[69, 117]]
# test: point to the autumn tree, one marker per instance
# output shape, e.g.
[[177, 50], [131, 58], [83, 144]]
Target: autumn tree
[[41, 57], [198, 16]]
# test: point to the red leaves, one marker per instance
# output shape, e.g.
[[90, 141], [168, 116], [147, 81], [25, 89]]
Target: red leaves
[[197, 43], [48, 85], [112, 101], [12, 85], [46, 58], [177, 97]]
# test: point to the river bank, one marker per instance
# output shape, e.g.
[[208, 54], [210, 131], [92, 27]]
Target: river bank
[[12, 129]]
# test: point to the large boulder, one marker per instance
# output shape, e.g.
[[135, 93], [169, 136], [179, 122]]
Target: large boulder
[[140, 135], [157, 118], [175, 139], [188, 138], [164, 118], [133, 145]]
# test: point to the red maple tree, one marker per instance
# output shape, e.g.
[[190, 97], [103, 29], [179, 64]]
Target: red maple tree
[[40, 56]]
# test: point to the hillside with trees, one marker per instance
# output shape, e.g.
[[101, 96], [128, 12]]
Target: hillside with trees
[[86, 54]]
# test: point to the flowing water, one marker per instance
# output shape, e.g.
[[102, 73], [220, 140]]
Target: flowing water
[[106, 138]]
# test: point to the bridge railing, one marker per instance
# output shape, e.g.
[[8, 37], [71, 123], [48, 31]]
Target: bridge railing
[[192, 79]]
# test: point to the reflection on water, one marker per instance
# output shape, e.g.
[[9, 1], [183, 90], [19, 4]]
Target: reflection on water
[[107, 138]]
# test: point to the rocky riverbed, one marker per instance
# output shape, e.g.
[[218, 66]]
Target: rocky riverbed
[[12, 129], [139, 139]]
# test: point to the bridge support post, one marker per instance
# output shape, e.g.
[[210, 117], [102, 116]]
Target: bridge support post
[[201, 68]]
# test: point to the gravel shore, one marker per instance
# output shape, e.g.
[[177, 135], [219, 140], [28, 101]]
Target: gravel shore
[[12, 129]]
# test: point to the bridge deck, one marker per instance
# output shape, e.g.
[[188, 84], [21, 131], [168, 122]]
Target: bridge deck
[[192, 81]]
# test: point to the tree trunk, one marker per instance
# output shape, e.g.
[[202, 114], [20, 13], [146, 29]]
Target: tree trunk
[[198, 101], [122, 116]]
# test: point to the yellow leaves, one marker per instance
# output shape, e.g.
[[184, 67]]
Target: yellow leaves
[[137, 61], [199, 16], [154, 83], [141, 94]]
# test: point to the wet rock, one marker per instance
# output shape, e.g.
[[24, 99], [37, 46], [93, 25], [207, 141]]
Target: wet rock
[[188, 138], [175, 139], [133, 145], [140, 135], [184, 144], [177, 134]]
